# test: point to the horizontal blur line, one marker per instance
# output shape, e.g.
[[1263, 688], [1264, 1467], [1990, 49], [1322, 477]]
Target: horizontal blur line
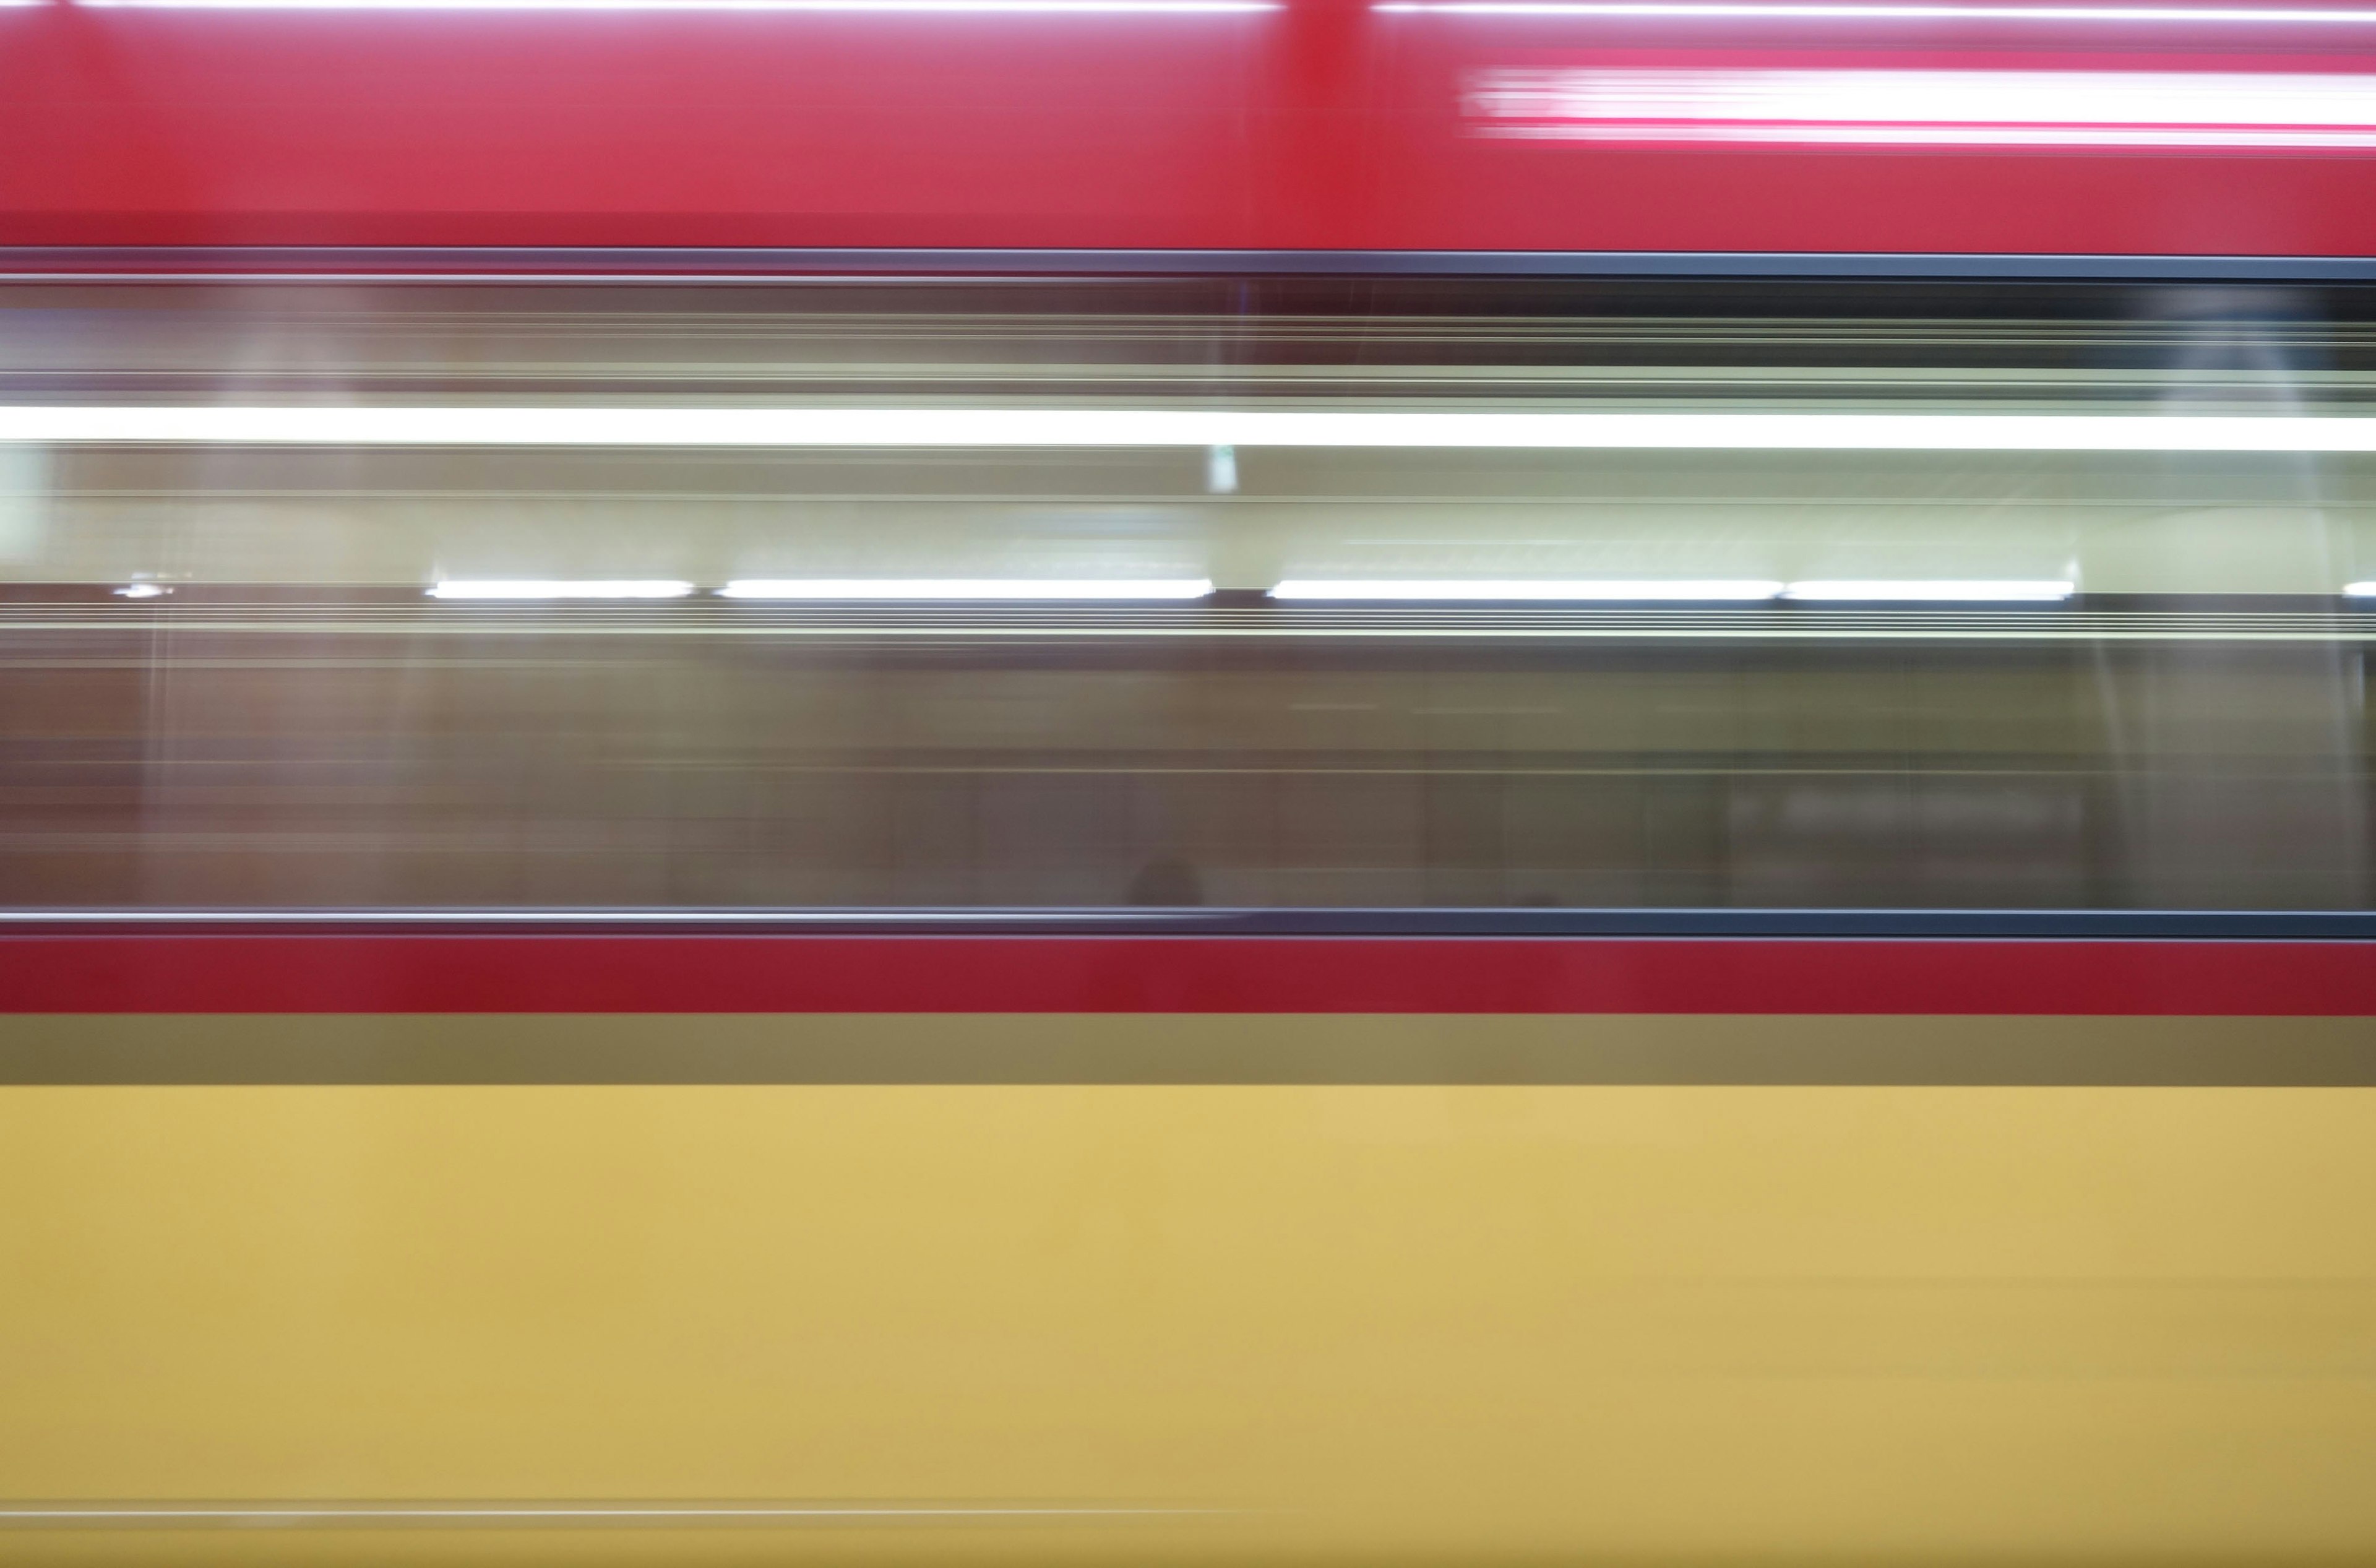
[[1855, 107], [1951, 622], [1939, 136], [543, 588], [962, 589], [559, 916], [2225, 16], [793, 428], [2037, 633], [1904, 592], [570, 1514], [268, 842], [935, 8], [1683, 922], [1513, 589], [1966, 590], [692, 265]]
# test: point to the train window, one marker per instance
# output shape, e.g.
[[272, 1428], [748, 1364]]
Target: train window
[[1322, 594]]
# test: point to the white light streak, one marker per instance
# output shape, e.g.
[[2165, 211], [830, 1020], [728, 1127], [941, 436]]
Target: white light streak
[[966, 588], [1652, 10], [560, 588], [1511, 588], [2359, 590], [798, 428], [1929, 590], [2175, 109], [885, 7], [794, 429], [1955, 136], [340, 1513], [142, 590]]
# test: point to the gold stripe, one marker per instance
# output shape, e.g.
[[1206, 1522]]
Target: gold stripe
[[1179, 1049]]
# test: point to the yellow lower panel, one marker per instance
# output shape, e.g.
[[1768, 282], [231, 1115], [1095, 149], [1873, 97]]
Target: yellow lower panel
[[1633, 1322]]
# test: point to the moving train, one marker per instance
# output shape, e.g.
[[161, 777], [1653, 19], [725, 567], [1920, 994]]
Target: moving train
[[1186, 780]]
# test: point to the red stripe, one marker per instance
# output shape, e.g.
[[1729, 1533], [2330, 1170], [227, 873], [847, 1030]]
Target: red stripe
[[1322, 127], [837, 974]]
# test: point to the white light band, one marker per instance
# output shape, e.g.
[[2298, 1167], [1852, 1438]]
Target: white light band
[[965, 588], [1933, 591], [556, 588], [1787, 12], [1929, 108], [1575, 590], [792, 428], [885, 8]]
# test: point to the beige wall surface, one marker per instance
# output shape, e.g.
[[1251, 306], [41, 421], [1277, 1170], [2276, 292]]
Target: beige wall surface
[[1137, 1322]]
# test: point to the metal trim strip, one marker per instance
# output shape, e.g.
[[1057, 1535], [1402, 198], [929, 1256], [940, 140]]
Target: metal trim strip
[[1804, 924], [758, 265]]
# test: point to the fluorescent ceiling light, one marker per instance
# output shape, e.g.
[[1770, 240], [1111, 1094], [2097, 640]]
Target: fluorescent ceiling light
[[1968, 590], [1984, 108], [558, 588], [1961, 135], [1523, 589], [999, 427], [966, 588], [1785, 11], [2361, 590], [141, 590], [937, 8]]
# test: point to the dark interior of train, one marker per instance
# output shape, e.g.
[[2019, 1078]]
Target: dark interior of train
[[270, 673]]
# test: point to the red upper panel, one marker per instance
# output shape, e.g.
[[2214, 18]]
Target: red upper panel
[[718, 973], [1320, 124]]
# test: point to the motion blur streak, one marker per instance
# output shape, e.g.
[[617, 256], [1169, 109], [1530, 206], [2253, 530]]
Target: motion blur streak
[[966, 588], [748, 427], [1519, 588], [935, 8], [577, 1514], [2119, 15], [536, 587], [904, 1050], [1904, 591], [2072, 108]]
